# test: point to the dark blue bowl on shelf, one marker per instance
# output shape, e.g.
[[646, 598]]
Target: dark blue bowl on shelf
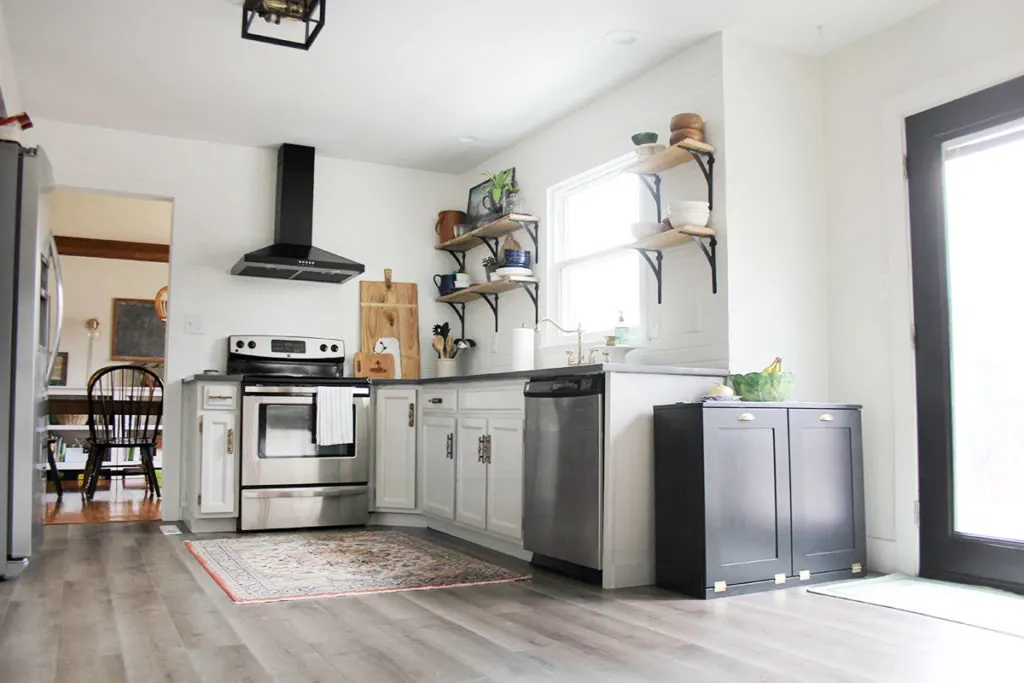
[[517, 258]]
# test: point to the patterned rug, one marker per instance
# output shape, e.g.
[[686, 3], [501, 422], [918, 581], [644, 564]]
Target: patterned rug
[[296, 566]]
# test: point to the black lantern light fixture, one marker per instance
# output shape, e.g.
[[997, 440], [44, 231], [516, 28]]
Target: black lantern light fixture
[[277, 13]]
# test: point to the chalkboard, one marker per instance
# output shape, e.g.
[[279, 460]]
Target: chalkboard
[[138, 331]]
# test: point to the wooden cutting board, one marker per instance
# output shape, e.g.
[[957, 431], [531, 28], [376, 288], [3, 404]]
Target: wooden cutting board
[[374, 365], [389, 316]]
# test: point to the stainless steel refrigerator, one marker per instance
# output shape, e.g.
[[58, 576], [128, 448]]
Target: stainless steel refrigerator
[[31, 310]]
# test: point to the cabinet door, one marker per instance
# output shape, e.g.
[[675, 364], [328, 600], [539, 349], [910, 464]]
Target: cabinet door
[[471, 473], [437, 448], [395, 484], [827, 474], [218, 462], [505, 477], [746, 482]]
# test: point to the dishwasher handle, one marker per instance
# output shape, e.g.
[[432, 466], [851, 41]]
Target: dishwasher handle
[[564, 387]]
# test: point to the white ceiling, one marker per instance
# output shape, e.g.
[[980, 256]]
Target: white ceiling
[[394, 81]]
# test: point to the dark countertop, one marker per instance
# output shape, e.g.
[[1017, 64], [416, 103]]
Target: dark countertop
[[212, 378], [810, 405], [559, 372]]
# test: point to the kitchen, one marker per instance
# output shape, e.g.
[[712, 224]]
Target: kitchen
[[806, 136]]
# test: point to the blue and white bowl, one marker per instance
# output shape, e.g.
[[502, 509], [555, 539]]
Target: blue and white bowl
[[517, 258]]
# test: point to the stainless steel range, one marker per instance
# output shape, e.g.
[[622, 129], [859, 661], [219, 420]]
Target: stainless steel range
[[288, 479]]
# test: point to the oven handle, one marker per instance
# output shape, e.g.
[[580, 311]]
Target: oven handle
[[312, 492], [256, 390]]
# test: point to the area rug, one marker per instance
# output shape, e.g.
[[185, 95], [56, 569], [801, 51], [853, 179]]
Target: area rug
[[296, 566], [985, 608]]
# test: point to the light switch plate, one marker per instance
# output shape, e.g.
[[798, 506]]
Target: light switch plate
[[193, 324]]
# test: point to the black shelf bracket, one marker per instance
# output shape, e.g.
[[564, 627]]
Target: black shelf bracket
[[460, 310], [652, 181], [655, 267], [492, 302], [460, 259], [708, 169], [711, 254], [492, 245], [533, 291], [532, 228]]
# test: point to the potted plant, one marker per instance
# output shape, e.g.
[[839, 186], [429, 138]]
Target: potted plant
[[500, 192], [490, 265]]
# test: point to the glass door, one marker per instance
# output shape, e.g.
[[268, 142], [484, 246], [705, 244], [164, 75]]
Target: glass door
[[966, 176]]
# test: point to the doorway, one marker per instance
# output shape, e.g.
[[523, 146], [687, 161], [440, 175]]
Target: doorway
[[965, 164], [114, 260]]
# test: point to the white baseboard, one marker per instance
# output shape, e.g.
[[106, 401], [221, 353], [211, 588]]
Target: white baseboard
[[217, 525], [409, 519], [481, 538]]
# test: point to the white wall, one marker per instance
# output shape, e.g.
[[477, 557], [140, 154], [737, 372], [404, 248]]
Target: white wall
[[8, 80], [776, 238], [74, 213], [590, 137], [223, 206], [90, 286], [948, 51]]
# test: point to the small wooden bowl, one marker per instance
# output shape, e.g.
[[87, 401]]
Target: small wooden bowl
[[680, 121], [683, 133]]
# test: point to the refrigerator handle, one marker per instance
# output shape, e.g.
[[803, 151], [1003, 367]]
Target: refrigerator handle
[[58, 276]]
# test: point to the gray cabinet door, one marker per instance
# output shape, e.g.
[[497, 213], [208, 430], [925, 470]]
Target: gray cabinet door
[[827, 473], [746, 480]]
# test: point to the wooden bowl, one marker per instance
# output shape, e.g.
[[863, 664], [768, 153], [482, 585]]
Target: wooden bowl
[[686, 121], [683, 133]]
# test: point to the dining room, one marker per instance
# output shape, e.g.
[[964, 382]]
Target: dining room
[[105, 393]]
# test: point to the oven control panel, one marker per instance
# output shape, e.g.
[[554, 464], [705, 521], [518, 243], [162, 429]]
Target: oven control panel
[[295, 348]]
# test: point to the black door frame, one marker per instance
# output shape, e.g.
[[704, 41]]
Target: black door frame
[[945, 554]]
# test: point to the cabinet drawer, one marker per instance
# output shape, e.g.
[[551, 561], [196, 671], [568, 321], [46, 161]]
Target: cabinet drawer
[[439, 401], [492, 398], [220, 396]]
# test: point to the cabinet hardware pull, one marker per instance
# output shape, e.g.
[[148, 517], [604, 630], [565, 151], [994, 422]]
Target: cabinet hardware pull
[[200, 425], [450, 447], [220, 397], [480, 449], [826, 418], [487, 444], [437, 401], [231, 441], [412, 414], [746, 417]]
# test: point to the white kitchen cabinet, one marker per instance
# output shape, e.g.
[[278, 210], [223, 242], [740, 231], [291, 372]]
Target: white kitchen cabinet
[[218, 463], [437, 452], [395, 484], [471, 473], [504, 455]]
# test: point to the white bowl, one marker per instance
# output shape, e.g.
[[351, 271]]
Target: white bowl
[[688, 206], [649, 149], [646, 229], [697, 218]]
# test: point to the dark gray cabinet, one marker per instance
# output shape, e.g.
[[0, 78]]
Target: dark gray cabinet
[[756, 496]]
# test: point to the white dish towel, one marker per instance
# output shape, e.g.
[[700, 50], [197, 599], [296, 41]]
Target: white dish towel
[[334, 416]]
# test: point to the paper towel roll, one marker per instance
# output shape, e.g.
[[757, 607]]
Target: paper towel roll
[[522, 348]]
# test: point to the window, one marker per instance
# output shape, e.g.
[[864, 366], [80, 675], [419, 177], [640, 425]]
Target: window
[[592, 278]]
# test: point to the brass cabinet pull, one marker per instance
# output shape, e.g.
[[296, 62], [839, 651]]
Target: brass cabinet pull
[[220, 397], [449, 446], [480, 449], [487, 449], [412, 414], [231, 441], [826, 418], [746, 417], [437, 401]]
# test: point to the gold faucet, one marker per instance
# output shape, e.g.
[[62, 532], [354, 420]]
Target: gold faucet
[[576, 359]]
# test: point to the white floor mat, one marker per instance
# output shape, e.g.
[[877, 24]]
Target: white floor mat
[[986, 608]]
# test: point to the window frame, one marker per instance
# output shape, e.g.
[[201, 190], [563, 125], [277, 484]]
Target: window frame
[[555, 246]]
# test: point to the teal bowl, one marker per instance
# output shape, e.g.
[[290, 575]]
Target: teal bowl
[[763, 386], [644, 139]]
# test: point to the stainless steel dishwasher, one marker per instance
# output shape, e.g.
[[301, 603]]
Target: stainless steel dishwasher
[[562, 504]]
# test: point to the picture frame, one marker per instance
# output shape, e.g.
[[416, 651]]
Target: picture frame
[[59, 374], [476, 214]]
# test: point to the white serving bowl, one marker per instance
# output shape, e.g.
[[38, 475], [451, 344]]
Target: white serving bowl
[[649, 150], [696, 217], [646, 229], [688, 206]]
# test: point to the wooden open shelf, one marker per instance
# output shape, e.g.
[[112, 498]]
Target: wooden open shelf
[[672, 238], [676, 155], [493, 230], [497, 287]]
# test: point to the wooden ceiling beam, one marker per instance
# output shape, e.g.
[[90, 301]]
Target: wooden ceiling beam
[[115, 249]]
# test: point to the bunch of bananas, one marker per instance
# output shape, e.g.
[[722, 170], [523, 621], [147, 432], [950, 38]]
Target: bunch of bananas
[[776, 366]]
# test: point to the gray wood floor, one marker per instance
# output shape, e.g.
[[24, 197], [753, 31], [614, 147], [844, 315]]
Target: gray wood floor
[[121, 602]]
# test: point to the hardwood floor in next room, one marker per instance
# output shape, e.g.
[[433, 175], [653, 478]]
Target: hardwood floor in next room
[[122, 602]]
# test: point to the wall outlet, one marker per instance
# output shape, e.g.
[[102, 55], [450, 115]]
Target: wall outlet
[[193, 324]]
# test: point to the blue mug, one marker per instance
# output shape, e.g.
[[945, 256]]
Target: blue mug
[[517, 258], [445, 283]]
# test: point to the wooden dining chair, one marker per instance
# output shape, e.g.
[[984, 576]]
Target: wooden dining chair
[[125, 408]]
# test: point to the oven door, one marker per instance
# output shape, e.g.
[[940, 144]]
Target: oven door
[[279, 441]]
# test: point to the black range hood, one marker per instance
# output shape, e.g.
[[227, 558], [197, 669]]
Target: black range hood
[[292, 256]]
